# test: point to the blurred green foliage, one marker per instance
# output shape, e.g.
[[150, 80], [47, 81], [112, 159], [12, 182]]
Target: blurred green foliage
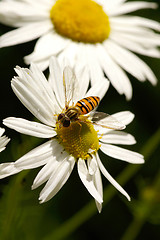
[[22, 217]]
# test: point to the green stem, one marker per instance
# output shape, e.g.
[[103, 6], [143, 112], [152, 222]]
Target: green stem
[[14, 191], [141, 217], [11, 205], [89, 210]]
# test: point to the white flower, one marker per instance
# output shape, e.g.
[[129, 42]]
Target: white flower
[[3, 140], [97, 34], [77, 143]]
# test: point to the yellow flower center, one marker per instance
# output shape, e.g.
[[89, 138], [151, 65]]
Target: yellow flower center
[[80, 20], [79, 139]]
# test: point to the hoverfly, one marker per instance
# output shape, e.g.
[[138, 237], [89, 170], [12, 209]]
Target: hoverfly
[[83, 106]]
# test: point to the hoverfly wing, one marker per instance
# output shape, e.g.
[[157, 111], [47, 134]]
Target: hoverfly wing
[[97, 116], [70, 84], [107, 121]]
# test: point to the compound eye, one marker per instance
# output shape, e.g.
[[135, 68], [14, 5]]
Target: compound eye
[[60, 116], [66, 123]]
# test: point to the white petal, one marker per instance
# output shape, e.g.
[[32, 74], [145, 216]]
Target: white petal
[[41, 80], [114, 73], [51, 168], [92, 165], [56, 82], [107, 64], [69, 53], [43, 87], [132, 6], [42, 64], [121, 119], [71, 85], [122, 154], [108, 121], [125, 60], [98, 184], [117, 137], [135, 47], [135, 21], [88, 180], [109, 5], [149, 42], [81, 58], [93, 65], [101, 130], [133, 30], [83, 78], [57, 179], [99, 89], [37, 82], [131, 63], [138, 31], [30, 128], [2, 149], [2, 130], [3, 142], [25, 34], [46, 46], [125, 117], [39, 156], [46, 172], [41, 4], [13, 14], [111, 180], [7, 169], [33, 100]]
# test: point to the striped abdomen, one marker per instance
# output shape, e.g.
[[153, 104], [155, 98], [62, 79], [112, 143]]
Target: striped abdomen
[[87, 104]]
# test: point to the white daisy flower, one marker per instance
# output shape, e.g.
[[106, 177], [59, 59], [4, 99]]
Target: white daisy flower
[[3, 140], [97, 34], [63, 106]]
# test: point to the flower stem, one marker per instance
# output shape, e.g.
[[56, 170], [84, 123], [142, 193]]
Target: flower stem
[[140, 218], [89, 210], [12, 200]]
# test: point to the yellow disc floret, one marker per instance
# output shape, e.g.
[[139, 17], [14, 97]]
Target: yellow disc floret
[[79, 139], [80, 20]]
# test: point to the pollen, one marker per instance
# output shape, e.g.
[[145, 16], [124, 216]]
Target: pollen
[[80, 20], [79, 139]]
